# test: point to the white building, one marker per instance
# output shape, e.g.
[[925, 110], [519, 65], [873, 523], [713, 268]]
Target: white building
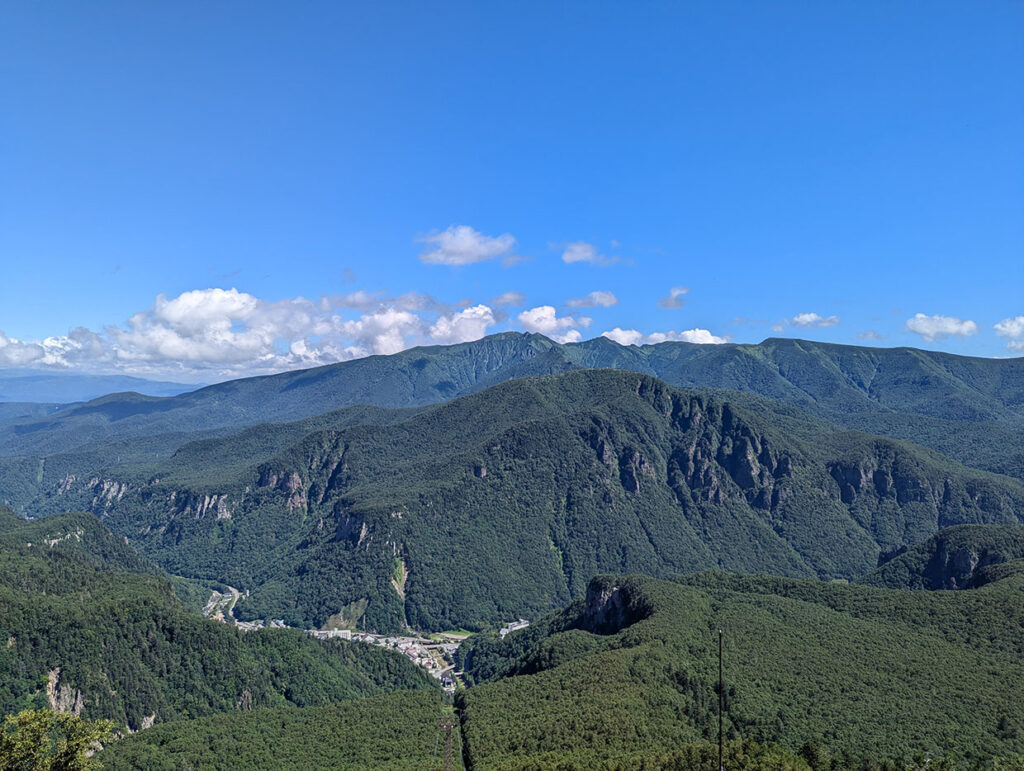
[[520, 624]]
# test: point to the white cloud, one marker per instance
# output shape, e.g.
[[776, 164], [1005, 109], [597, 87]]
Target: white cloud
[[635, 337], [871, 334], [1013, 328], [462, 245], [210, 333], [509, 299], [674, 298], [939, 327], [544, 320], [593, 300], [204, 307], [581, 251], [624, 336], [813, 320], [464, 326], [384, 332], [700, 336], [15, 353]]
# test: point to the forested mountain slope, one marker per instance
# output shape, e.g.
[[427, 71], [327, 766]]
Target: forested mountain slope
[[395, 732], [907, 393], [959, 557], [862, 672], [507, 502], [84, 633]]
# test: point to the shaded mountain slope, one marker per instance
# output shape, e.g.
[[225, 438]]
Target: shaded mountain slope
[[953, 558]]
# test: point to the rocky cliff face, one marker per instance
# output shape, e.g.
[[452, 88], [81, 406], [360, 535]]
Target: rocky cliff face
[[62, 697], [956, 568], [956, 558], [611, 606]]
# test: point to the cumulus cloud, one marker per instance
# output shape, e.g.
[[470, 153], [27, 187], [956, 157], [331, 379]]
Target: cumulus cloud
[[508, 300], [544, 320], [635, 337], [625, 336], [464, 326], [1012, 328], [16, 353], [594, 300], [205, 333], [813, 320], [871, 334], [384, 332], [674, 299], [581, 251], [462, 245], [939, 327]]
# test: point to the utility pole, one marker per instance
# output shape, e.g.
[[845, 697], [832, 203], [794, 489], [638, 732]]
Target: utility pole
[[448, 724], [721, 702]]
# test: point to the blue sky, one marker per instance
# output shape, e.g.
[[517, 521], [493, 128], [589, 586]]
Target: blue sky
[[205, 190]]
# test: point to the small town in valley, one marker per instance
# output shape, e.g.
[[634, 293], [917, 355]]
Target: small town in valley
[[435, 654]]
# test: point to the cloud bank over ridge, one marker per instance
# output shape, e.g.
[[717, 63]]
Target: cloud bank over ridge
[[203, 334]]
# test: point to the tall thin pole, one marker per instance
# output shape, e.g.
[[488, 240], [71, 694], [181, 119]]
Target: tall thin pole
[[721, 701]]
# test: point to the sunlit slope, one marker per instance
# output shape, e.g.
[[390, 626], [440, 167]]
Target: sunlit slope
[[867, 673], [507, 501], [83, 630]]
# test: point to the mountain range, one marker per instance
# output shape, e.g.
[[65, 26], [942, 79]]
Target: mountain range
[[507, 501], [814, 501]]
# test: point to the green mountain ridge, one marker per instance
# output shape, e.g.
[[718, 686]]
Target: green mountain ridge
[[964, 407], [506, 502]]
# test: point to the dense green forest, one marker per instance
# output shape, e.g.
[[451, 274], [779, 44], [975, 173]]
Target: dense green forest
[[623, 678], [83, 631], [396, 732], [506, 502], [392, 733], [855, 672]]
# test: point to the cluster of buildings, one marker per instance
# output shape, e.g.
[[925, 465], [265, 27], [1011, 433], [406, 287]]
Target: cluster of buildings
[[330, 634], [435, 657], [520, 624], [249, 626], [430, 655]]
